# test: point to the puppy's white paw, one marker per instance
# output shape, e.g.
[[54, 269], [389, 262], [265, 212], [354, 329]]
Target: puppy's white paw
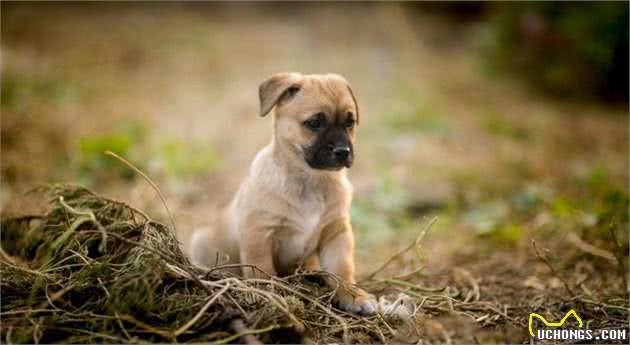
[[402, 308], [360, 303]]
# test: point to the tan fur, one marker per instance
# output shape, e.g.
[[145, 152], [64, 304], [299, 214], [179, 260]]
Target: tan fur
[[285, 213]]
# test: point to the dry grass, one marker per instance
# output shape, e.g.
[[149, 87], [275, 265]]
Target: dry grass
[[95, 270]]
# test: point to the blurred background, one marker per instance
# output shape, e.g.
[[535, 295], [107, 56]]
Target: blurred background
[[507, 121]]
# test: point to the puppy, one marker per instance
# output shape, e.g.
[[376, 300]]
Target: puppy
[[292, 209]]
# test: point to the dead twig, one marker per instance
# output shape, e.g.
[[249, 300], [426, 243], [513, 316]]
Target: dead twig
[[553, 270], [157, 189], [591, 249], [197, 316], [621, 270], [415, 244]]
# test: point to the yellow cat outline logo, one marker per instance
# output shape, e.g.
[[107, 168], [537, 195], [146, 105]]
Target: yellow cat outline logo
[[553, 324]]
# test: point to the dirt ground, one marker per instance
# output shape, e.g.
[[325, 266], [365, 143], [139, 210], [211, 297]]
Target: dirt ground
[[530, 192]]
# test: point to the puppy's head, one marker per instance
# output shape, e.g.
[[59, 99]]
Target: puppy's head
[[315, 117]]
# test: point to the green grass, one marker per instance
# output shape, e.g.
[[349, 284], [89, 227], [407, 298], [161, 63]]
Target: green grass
[[422, 118], [185, 160]]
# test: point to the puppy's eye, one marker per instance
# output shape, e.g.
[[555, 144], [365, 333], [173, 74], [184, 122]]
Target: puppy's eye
[[350, 123], [315, 122]]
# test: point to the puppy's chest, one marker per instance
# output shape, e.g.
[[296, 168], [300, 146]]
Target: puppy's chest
[[303, 225], [311, 212]]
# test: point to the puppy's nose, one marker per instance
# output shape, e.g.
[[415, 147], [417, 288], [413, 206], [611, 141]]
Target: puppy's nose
[[341, 153]]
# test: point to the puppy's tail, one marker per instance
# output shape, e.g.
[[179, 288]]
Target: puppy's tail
[[197, 248], [207, 250]]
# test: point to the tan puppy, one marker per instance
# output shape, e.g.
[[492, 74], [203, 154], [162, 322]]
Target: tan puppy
[[292, 209]]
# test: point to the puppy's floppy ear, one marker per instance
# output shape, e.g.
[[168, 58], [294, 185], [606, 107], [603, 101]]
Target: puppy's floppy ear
[[271, 90], [354, 99]]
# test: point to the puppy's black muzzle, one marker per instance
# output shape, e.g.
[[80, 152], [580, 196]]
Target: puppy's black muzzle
[[342, 155], [332, 150]]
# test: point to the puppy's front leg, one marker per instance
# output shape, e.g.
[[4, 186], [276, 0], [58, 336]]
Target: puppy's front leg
[[311, 263], [257, 249], [336, 256]]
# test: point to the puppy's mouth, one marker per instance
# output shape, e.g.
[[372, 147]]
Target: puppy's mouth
[[335, 167]]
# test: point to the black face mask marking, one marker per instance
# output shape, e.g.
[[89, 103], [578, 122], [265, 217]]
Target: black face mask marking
[[332, 149]]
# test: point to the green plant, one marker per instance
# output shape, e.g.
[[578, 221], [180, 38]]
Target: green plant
[[568, 48]]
